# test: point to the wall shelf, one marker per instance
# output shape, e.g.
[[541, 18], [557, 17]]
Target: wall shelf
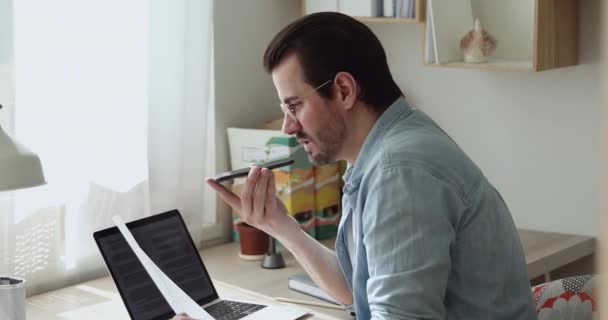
[[387, 20], [492, 64], [532, 35]]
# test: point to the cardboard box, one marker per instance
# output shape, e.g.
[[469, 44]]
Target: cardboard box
[[328, 180]]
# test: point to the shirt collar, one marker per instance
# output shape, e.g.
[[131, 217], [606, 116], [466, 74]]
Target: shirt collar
[[372, 145]]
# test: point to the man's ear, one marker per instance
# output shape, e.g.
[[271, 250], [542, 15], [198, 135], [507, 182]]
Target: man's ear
[[347, 89]]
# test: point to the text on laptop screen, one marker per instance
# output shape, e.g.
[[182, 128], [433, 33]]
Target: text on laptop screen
[[167, 242]]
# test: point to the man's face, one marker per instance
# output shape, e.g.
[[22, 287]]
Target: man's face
[[317, 124]]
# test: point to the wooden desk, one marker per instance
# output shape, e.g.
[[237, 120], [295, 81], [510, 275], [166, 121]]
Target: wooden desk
[[237, 278], [545, 252], [99, 300], [548, 252]]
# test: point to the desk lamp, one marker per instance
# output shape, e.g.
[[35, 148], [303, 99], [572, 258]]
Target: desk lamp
[[19, 168], [273, 259]]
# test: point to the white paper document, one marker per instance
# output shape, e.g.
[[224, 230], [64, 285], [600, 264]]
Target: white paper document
[[175, 296]]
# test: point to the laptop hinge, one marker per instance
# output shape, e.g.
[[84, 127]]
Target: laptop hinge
[[211, 303]]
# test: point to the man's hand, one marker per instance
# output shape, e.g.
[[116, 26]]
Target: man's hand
[[258, 204], [181, 316], [260, 207]]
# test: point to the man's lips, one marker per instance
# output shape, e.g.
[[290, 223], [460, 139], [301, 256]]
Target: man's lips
[[305, 143]]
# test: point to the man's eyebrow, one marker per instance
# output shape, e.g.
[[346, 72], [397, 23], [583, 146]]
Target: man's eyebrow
[[287, 100]]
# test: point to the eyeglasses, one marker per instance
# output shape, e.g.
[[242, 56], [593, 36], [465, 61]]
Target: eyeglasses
[[289, 108]]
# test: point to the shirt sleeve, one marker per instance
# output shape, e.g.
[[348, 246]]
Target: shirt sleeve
[[408, 226]]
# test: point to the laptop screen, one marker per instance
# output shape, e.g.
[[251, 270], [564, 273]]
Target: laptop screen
[[166, 241]]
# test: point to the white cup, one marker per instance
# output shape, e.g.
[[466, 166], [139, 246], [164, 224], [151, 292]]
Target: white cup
[[12, 298]]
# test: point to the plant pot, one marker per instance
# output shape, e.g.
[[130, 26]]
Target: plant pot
[[254, 242]]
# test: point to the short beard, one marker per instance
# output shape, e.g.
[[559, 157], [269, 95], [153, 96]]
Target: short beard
[[329, 141], [319, 159]]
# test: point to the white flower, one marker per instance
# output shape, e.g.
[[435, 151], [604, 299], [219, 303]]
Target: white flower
[[572, 309]]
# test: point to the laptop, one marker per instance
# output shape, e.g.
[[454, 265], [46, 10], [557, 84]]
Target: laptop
[[167, 242]]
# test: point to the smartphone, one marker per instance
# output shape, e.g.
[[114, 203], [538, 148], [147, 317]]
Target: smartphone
[[226, 176]]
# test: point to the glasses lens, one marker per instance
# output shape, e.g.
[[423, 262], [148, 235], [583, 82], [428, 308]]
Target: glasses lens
[[287, 110]]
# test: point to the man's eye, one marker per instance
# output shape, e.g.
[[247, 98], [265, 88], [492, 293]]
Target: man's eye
[[292, 109]]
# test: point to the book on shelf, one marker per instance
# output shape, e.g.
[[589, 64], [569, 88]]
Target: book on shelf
[[312, 6], [406, 8], [389, 8], [399, 8], [304, 284], [361, 8], [364, 8]]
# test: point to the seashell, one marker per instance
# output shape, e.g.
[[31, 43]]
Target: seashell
[[477, 44]]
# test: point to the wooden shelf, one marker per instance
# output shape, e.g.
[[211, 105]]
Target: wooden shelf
[[532, 35], [492, 64], [386, 20]]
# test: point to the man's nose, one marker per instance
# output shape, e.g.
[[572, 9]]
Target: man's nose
[[290, 126]]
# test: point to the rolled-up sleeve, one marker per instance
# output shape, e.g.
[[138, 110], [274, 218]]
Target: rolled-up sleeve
[[408, 226]]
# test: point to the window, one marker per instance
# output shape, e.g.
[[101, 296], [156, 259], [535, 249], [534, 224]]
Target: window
[[114, 97]]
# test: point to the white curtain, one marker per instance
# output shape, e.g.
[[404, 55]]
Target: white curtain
[[114, 96]]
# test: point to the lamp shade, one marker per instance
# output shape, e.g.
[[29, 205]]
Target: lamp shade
[[19, 167]]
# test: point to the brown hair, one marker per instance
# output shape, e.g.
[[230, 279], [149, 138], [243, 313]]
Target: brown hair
[[329, 42]]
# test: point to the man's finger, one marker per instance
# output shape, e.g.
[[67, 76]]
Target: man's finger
[[259, 199], [228, 196], [181, 316], [271, 191], [247, 194]]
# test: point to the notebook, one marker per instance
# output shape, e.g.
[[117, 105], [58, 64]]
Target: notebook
[[304, 284]]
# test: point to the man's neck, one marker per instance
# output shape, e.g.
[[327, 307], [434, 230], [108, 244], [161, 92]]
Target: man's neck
[[358, 128]]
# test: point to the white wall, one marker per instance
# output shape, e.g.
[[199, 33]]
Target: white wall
[[245, 96], [535, 135]]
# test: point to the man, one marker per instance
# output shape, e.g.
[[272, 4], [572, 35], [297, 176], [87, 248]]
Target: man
[[424, 235]]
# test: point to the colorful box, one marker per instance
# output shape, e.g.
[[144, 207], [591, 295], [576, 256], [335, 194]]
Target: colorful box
[[327, 200]]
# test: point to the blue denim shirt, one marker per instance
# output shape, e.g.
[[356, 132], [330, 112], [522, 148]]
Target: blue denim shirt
[[434, 239]]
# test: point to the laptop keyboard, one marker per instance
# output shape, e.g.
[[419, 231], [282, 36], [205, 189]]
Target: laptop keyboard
[[232, 310]]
